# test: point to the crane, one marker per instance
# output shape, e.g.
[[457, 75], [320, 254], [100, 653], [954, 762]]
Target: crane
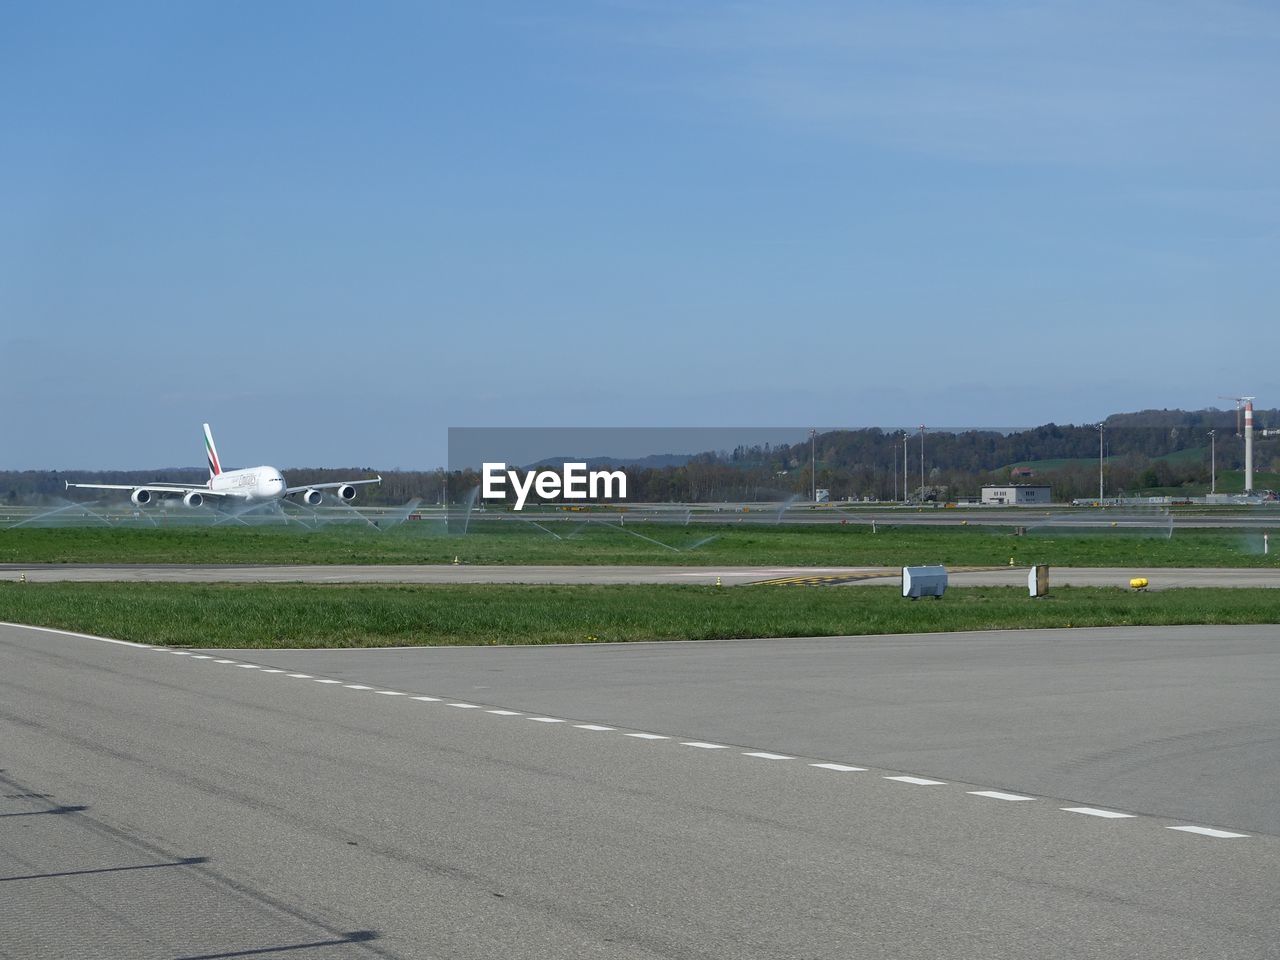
[[1239, 402]]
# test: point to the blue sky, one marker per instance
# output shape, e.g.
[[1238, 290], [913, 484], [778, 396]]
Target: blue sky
[[335, 230]]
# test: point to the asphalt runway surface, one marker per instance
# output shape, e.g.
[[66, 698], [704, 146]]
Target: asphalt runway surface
[[1099, 793], [1160, 578]]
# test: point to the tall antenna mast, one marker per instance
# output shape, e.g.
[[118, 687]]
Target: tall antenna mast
[[1248, 444]]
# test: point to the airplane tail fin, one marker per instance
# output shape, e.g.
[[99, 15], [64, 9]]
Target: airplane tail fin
[[215, 465]]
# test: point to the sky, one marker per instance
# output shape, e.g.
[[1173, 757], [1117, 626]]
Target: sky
[[335, 230]]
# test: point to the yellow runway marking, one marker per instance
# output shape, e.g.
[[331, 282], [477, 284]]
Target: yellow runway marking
[[821, 581]]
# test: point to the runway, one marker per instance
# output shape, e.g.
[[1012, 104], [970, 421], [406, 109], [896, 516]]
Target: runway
[[1160, 578], [1096, 793]]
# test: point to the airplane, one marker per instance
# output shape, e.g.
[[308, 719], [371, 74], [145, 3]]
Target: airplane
[[248, 485]]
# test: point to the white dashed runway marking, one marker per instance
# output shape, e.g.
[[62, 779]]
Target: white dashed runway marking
[[1209, 832], [1095, 812], [828, 765]]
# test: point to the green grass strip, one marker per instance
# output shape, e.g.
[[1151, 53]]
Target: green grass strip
[[853, 544], [306, 615]]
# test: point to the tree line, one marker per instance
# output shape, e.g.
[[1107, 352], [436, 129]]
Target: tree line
[[1140, 451]]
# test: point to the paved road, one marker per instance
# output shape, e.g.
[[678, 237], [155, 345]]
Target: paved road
[[1175, 721], [1160, 578], [730, 576], [159, 805], [447, 573]]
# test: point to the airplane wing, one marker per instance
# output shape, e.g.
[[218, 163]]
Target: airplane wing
[[290, 491], [160, 489]]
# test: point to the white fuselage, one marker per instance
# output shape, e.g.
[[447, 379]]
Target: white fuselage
[[250, 483]]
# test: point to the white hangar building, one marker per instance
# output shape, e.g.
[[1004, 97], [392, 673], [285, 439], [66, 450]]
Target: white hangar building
[[1017, 494]]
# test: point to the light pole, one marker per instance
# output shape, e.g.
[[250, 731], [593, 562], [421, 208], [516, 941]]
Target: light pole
[[922, 462], [813, 463], [1213, 463], [904, 466], [893, 458], [1100, 426]]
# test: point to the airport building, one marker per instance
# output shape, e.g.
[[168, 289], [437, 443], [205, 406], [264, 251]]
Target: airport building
[[1017, 494]]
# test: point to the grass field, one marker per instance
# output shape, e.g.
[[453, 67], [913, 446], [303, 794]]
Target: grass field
[[297, 615], [698, 544], [1188, 455]]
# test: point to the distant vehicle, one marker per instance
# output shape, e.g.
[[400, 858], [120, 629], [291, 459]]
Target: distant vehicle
[[251, 484]]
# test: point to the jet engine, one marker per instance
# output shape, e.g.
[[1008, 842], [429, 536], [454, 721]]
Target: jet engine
[[141, 497], [347, 492], [192, 499], [312, 498]]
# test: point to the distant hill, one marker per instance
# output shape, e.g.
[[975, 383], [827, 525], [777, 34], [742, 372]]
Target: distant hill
[[1147, 449], [653, 461], [1203, 420]]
